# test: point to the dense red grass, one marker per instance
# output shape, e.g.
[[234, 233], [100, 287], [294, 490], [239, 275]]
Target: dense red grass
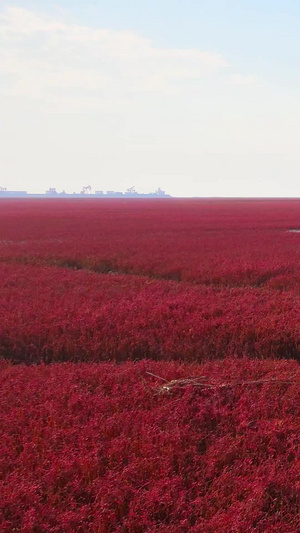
[[229, 243], [54, 314], [99, 447]]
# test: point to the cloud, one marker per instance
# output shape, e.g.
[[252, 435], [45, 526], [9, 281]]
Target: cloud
[[242, 79], [54, 60]]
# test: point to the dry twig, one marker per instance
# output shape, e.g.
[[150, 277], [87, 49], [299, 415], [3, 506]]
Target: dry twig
[[204, 383]]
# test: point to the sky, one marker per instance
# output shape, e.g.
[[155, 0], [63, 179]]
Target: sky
[[197, 97]]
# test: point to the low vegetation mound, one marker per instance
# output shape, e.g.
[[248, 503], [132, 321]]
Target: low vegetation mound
[[51, 314]]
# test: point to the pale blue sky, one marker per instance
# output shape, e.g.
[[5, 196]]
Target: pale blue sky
[[260, 34], [204, 100]]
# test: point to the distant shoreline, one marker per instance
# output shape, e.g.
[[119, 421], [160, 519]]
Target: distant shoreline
[[83, 196]]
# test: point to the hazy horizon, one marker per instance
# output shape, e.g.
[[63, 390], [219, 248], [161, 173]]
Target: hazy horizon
[[199, 99]]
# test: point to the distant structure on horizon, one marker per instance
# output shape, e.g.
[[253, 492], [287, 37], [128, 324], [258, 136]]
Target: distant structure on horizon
[[132, 193], [85, 193], [5, 193]]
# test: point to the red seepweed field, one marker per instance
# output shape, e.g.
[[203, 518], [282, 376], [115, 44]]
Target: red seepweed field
[[150, 377]]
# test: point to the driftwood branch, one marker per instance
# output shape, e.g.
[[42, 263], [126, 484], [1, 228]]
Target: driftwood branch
[[204, 383]]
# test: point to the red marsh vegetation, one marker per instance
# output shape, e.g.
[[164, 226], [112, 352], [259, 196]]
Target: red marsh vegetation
[[173, 332]]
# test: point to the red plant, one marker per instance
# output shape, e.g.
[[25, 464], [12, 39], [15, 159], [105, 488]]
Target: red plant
[[52, 314], [101, 448], [110, 447], [222, 242]]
